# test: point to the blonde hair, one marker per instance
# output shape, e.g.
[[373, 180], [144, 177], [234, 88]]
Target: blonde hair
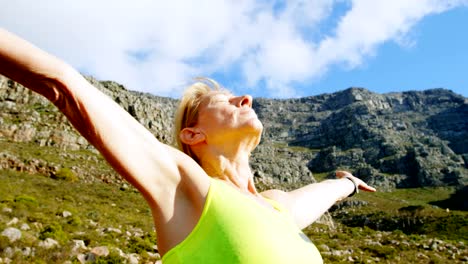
[[187, 112]]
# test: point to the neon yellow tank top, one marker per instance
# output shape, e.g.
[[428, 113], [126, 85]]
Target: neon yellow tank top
[[235, 229]]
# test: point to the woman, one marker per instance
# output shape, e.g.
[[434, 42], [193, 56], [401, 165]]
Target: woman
[[204, 203]]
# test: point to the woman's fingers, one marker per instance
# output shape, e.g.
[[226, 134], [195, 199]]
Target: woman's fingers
[[366, 187], [341, 174], [360, 183]]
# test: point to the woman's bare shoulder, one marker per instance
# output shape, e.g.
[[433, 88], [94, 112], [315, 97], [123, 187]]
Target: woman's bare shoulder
[[276, 195]]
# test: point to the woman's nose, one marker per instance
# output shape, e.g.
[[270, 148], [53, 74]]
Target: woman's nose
[[244, 100]]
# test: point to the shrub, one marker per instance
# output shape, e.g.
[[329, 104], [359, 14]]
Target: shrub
[[65, 174], [112, 258], [37, 217], [26, 200], [386, 252], [53, 231], [75, 221], [141, 244], [93, 215]]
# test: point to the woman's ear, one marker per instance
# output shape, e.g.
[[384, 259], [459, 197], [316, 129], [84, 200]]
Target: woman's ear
[[191, 136]]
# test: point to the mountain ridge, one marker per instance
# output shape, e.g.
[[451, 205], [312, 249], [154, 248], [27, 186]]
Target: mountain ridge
[[392, 140]]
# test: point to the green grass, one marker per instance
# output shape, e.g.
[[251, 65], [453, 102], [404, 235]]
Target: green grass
[[28, 151], [394, 200], [40, 201], [43, 108], [356, 230], [320, 176], [282, 145]]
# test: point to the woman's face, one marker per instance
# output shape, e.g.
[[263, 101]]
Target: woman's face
[[223, 114]]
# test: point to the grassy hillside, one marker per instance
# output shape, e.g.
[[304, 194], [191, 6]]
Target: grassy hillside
[[387, 227], [101, 215]]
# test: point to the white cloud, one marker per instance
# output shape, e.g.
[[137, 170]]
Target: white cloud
[[370, 23], [158, 46]]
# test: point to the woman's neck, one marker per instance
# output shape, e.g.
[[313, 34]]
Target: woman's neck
[[234, 169]]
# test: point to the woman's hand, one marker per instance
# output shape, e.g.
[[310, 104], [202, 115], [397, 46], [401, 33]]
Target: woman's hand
[[357, 182]]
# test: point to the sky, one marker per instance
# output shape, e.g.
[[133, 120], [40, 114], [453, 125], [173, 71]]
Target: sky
[[274, 49]]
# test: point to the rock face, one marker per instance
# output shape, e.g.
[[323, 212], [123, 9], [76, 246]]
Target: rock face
[[28, 117], [392, 140], [405, 139]]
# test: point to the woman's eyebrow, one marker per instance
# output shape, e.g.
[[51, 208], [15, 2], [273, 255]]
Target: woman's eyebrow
[[227, 93], [222, 94]]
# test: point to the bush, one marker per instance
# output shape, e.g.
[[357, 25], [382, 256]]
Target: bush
[[26, 200], [75, 221], [112, 258], [37, 217], [142, 244], [93, 215], [386, 252], [65, 174], [53, 231]]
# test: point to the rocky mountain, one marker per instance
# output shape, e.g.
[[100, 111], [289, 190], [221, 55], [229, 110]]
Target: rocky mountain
[[407, 139]]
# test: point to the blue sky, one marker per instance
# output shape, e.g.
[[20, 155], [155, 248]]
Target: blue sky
[[265, 48], [438, 58]]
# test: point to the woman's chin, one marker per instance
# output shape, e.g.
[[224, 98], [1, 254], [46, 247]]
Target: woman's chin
[[256, 125]]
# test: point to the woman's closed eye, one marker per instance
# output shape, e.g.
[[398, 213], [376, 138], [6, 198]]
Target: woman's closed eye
[[220, 101]]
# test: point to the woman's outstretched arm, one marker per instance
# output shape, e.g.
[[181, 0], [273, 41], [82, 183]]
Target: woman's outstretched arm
[[308, 203], [154, 168]]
